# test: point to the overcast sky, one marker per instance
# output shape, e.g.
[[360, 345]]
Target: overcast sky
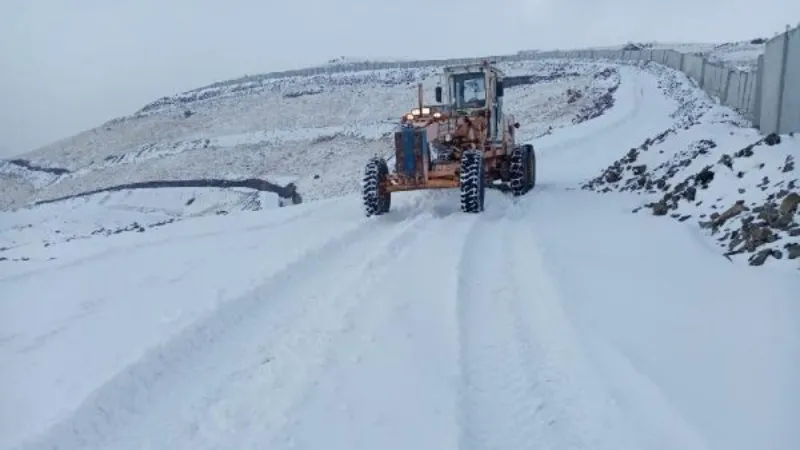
[[69, 65]]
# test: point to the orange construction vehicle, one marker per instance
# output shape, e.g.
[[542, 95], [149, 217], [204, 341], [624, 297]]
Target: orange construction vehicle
[[465, 142]]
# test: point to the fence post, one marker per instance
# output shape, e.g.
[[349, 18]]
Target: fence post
[[703, 73], [759, 94], [782, 82], [727, 86]]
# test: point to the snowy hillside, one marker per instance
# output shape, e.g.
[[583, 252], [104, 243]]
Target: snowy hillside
[[711, 168], [311, 326], [316, 131], [742, 55], [302, 138]]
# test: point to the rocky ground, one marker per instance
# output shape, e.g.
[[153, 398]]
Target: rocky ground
[[712, 168], [606, 83]]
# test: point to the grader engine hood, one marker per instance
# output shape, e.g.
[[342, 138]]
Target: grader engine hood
[[411, 151]]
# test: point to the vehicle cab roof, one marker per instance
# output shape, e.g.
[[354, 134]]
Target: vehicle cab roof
[[473, 68]]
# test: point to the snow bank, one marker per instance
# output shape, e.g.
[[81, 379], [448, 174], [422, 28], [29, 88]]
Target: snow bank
[[27, 234], [710, 168]]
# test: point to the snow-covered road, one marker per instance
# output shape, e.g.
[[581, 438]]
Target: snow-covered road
[[553, 321]]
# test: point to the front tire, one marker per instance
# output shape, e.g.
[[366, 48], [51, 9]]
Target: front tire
[[472, 181], [522, 176], [518, 179], [531, 160], [376, 199]]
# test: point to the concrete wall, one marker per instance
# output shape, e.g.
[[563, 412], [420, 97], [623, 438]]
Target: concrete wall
[[771, 88], [768, 96], [737, 89], [790, 105]]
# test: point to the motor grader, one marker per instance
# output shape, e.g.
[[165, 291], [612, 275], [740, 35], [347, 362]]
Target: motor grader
[[465, 142]]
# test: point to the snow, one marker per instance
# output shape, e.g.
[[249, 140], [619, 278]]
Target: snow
[[740, 55], [555, 320], [688, 342], [704, 137], [346, 60], [37, 178], [27, 232]]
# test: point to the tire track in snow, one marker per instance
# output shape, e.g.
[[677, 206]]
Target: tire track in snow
[[645, 406], [580, 410], [495, 404], [314, 345], [525, 381], [253, 345], [392, 382]]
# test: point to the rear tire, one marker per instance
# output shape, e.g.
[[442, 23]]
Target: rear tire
[[472, 181], [522, 177], [531, 159], [518, 178], [376, 199]]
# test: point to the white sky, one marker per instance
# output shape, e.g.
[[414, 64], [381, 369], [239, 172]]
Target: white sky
[[69, 65]]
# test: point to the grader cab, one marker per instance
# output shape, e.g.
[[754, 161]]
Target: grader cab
[[465, 141]]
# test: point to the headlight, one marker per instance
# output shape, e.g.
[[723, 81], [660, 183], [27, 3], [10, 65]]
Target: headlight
[[410, 117], [426, 111], [437, 115], [415, 112]]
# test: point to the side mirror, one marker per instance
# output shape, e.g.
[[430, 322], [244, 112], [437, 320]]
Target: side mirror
[[438, 94], [500, 88], [516, 124]]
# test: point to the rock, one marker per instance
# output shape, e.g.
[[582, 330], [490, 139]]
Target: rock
[[789, 204], [733, 211], [612, 176], [704, 177], [761, 257], [690, 193], [792, 250], [772, 139], [727, 161], [630, 157], [659, 208], [573, 95], [745, 152], [788, 164], [757, 236]]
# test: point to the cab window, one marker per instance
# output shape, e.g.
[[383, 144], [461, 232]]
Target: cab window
[[469, 90]]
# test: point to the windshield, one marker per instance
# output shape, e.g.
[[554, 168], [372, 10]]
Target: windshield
[[469, 90]]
